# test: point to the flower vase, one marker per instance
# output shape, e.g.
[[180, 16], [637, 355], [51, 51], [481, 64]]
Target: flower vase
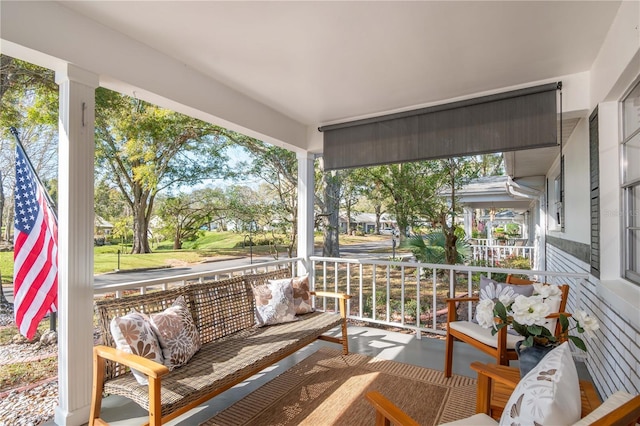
[[529, 356]]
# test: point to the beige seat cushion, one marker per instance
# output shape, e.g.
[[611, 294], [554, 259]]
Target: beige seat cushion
[[613, 402], [475, 420], [482, 334]]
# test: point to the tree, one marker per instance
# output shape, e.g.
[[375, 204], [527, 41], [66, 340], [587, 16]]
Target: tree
[[278, 168], [145, 149], [184, 215], [327, 197], [29, 102], [408, 190]]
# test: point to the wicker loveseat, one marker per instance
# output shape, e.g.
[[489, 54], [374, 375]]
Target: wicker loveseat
[[233, 348]]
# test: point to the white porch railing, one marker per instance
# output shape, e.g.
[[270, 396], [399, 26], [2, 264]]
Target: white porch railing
[[165, 282], [406, 295], [411, 295], [495, 254]]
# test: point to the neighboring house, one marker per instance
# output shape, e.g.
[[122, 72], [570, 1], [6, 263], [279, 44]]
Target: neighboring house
[[101, 227], [366, 222]]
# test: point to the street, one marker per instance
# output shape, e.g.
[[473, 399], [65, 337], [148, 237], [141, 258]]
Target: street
[[353, 251]]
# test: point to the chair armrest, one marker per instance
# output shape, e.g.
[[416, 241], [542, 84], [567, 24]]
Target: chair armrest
[[141, 364], [508, 376], [330, 294], [387, 411], [462, 299]]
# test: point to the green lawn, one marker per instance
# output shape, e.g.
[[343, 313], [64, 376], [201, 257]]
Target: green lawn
[[212, 244]]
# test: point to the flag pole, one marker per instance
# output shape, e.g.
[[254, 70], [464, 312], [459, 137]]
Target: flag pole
[[52, 205]]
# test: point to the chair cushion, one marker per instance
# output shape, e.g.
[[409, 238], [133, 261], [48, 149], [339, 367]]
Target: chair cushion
[[481, 334], [177, 334], [613, 402], [480, 419], [548, 395]]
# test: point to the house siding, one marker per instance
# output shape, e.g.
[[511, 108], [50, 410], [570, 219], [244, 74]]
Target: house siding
[[613, 357]]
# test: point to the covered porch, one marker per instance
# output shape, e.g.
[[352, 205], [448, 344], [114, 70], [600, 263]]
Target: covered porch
[[279, 71]]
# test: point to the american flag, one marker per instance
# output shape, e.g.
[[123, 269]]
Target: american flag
[[35, 254]]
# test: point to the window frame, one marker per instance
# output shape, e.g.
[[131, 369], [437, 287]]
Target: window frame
[[630, 208]]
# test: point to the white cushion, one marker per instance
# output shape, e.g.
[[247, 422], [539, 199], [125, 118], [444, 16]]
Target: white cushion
[[613, 402], [548, 395], [475, 420], [482, 334]]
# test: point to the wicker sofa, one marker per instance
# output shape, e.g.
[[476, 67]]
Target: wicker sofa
[[233, 348]]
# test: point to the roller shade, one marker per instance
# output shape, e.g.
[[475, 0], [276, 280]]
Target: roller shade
[[516, 120]]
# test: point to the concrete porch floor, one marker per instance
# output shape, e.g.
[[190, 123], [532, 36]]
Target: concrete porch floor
[[425, 352]]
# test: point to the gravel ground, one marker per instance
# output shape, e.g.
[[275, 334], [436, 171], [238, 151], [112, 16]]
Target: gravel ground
[[33, 404]]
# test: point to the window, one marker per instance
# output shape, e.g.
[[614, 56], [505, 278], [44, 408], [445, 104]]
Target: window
[[631, 185], [594, 167]]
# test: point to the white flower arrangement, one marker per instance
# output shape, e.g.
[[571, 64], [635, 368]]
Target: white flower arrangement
[[529, 316]]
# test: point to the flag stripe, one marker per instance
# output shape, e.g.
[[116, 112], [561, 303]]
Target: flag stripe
[[35, 251]]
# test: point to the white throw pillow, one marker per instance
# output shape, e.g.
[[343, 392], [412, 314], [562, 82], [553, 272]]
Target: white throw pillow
[[274, 302], [133, 334], [301, 293], [548, 395], [177, 334]]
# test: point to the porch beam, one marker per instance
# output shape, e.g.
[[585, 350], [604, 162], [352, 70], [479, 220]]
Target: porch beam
[[306, 193], [75, 243]]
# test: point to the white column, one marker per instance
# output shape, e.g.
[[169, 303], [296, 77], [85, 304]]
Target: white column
[[75, 243], [468, 221], [305, 209]]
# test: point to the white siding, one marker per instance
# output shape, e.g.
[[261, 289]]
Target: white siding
[[613, 357]]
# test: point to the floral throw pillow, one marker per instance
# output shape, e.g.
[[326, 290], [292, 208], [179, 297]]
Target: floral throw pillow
[[177, 334], [492, 290], [133, 334], [301, 294], [274, 302], [548, 395]]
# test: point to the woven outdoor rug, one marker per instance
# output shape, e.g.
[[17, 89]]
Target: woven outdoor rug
[[328, 388]]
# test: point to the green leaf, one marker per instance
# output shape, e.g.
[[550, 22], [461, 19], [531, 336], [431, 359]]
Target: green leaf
[[564, 322], [578, 342], [500, 311], [544, 331], [528, 342], [497, 328], [520, 329], [536, 330]]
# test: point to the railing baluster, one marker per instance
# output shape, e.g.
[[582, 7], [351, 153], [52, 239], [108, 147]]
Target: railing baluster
[[335, 287], [388, 316], [360, 312], [402, 295], [348, 288], [373, 289], [418, 304], [434, 306]]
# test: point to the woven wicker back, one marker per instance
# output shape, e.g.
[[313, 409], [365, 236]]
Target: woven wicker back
[[219, 308]]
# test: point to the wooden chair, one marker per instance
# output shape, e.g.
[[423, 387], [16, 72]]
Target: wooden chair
[[501, 346], [495, 385]]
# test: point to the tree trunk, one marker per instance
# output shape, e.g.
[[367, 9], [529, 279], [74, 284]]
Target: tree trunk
[[348, 211], [140, 228], [378, 210], [1, 201], [177, 242], [331, 243]]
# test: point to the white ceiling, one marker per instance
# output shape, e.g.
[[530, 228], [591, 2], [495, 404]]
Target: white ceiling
[[323, 62]]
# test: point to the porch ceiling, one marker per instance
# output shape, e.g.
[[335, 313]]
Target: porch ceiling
[[305, 64]]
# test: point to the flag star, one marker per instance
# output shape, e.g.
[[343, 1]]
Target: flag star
[[22, 212], [32, 217], [27, 227]]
